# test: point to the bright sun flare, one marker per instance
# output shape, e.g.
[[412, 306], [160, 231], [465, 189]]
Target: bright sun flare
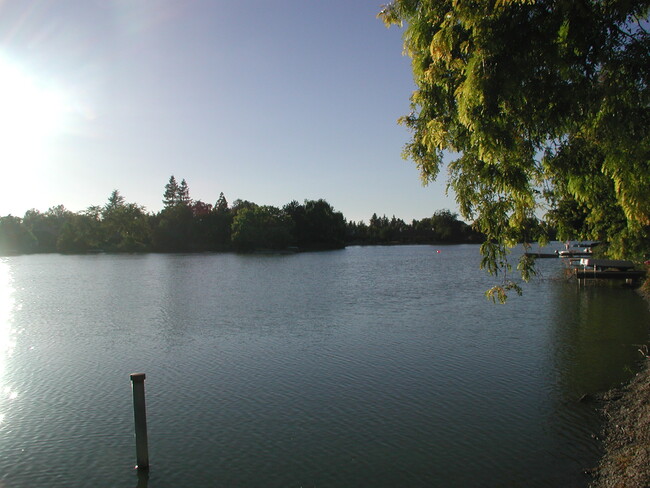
[[31, 115]]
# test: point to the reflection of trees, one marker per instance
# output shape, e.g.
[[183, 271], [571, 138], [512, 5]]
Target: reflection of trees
[[597, 330]]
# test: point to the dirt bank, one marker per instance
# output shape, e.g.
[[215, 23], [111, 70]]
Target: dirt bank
[[626, 463]]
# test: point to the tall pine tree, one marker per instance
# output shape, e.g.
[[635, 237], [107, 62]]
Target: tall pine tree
[[183, 194], [170, 197]]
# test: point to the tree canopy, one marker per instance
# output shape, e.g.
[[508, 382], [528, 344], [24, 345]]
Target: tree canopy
[[187, 225], [543, 105]]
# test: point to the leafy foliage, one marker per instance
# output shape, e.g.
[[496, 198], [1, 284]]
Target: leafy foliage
[[545, 104], [125, 225], [183, 225], [259, 227], [316, 225], [14, 237]]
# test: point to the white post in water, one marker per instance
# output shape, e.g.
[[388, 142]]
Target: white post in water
[[140, 415]]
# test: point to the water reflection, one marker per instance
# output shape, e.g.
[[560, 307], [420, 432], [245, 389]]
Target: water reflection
[[7, 338], [593, 347], [597, 331]]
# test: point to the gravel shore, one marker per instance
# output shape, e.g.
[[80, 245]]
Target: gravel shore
[[626, 462]]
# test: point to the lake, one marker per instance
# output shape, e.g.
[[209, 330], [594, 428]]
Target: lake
[[368, 366]]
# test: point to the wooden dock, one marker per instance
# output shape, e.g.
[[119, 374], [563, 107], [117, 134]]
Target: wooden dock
[[608, 269], [586, 274]]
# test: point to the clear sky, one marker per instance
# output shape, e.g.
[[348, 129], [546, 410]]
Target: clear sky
[[267, 101]]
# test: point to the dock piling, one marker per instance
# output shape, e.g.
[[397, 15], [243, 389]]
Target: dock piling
[[140, 416]]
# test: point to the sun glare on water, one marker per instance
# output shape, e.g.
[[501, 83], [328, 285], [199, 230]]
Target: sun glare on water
[[7, 339], [32, 114]]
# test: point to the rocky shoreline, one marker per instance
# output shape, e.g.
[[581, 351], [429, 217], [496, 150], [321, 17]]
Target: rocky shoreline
[[626, 459]]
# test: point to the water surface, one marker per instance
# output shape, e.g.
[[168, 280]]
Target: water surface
[[375, 366]]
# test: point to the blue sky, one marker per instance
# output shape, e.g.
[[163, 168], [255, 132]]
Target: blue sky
[[267, 101]]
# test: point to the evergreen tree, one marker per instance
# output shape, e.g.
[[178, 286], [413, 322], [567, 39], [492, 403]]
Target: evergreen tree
[[183, 195], [222, 204], [115, 201], [170, 197], [172, 230]]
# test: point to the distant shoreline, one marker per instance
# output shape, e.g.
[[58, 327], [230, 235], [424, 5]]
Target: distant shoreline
[[289, 250]]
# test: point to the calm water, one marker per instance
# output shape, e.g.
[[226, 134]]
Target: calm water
[[380, 366]]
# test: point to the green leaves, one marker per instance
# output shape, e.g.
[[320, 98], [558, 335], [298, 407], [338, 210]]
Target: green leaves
[[532, 95]]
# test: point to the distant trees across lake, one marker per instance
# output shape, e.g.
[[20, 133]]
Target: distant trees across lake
[[186, 225]]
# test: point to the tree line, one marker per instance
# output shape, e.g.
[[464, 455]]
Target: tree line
[[442, 227], [187, 225]]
